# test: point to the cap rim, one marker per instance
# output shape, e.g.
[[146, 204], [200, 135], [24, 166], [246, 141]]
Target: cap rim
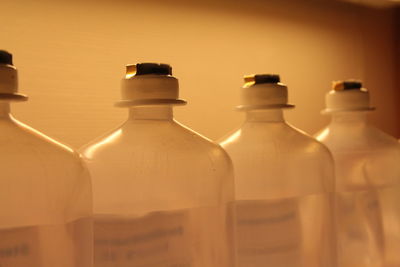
[[254, 107], [330, 110], [13, 97], [150, 102]]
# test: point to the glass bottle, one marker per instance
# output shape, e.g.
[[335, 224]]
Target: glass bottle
[[45, 192], [367, 180], [284, 182], [162, 193]]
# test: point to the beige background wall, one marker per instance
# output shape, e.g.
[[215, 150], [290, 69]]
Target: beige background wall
[[71, 57]]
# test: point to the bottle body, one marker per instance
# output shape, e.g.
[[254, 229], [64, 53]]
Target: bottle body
[[283, 183], [45, 210], [162, 194], [367, 191]]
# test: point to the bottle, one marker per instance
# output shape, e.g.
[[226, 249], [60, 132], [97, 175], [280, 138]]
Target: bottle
[[367, 180], [163, 194], [284, 182], [45, 192]]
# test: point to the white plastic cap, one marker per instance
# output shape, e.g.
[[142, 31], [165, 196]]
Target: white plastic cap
[[9, 79], [347, 96], [149, 84], [264, 91]]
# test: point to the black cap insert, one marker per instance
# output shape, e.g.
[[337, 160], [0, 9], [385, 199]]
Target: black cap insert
[[153, 68], [350, 85], [5, 57], [262, 78], [267, 78], [346, 85]]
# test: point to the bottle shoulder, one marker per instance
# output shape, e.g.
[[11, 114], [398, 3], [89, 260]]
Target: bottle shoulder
[[19, 137], [282, 138], [164, 137], [267, 163], [45, 177], [365, 159], [153, 161], [364, 140]]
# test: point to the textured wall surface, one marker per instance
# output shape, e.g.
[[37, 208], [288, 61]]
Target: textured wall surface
[[71, 57]]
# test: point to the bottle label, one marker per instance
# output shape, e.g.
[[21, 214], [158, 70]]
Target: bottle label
[[61, 245], [369, 226], [157, 239], [19, 247], [196, 237], [284, 232]]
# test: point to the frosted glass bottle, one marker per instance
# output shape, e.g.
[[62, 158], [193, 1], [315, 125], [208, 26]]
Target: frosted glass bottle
[[162, 193], [367, 181], [45, 192], [284, 182]]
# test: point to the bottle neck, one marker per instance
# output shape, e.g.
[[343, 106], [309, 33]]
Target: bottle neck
[[265, 115], [5, 110], [349, 119], [163, 113]]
